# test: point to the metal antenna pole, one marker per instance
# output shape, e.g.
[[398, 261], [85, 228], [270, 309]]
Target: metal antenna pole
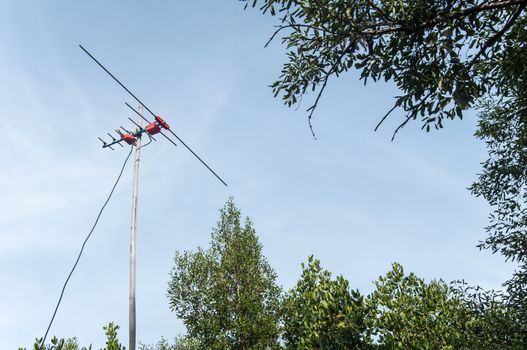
[[131, 317]]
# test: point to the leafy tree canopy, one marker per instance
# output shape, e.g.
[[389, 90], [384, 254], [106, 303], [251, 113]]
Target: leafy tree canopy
[[323, 313], [503, 183], [180, 343], [112, 341], [445, 57], [226, 295], [493, 322], [442, 55], [403, 312], [409, 313]]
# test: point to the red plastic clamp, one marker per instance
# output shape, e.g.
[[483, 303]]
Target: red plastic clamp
[[161, 122], [152, 129], [129, 139]]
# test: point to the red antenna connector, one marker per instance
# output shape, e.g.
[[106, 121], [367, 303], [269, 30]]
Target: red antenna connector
[[155, 127], [129, 139], [152, 129], [162, 122]]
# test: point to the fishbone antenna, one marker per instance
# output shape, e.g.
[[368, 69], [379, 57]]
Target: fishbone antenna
[[159, 122]]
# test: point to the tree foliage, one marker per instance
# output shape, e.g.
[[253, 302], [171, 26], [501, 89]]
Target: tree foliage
[[58, 344], [403, 312], [442, 55], [493, 322], [112, 341], [445, 57], [224, 307], [180, 343], [409, 313], [226, 295], [503, 183], [321, 313]]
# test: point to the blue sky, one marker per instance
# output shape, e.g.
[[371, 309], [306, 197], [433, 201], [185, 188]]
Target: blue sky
[[352, 198]]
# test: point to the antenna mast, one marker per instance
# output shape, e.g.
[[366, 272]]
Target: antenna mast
[[133, 231]]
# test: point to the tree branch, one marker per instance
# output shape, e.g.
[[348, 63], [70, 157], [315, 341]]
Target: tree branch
[[486, 6], [296, 26], [499, 34], [386, 116], [422, 101], [311, 109], [383, 14], [401, 126]]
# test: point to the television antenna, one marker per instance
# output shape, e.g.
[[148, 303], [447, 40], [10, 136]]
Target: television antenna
[[132, 138]]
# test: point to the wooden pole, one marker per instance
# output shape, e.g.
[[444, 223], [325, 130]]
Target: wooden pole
[[133, 231]]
